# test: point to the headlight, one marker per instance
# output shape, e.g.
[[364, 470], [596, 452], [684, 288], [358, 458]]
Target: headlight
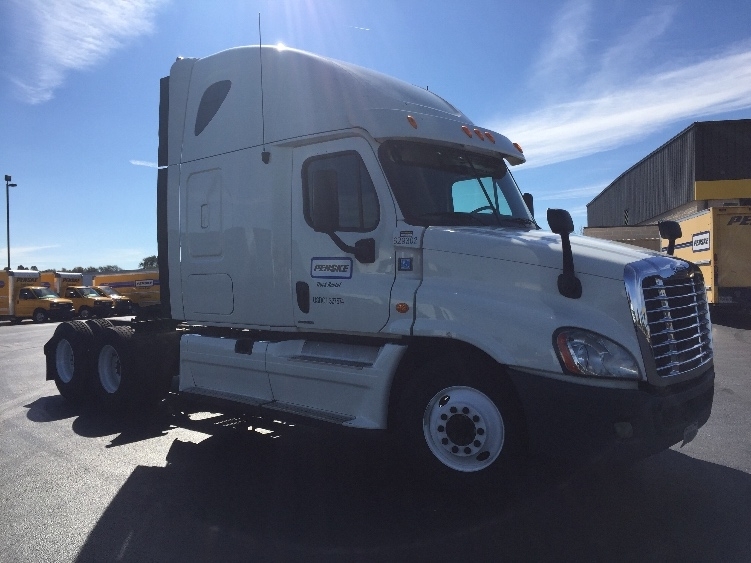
[[582, 352]]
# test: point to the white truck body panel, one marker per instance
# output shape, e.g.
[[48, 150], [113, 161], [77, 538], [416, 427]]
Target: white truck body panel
[[253, 133]]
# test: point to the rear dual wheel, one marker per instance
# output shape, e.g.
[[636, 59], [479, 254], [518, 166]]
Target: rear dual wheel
[[68, 358]]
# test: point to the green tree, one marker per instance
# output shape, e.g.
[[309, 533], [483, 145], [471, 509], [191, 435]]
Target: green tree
[[149, 263], [108, 268]]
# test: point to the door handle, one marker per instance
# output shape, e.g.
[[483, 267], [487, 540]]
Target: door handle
[[303, 296]]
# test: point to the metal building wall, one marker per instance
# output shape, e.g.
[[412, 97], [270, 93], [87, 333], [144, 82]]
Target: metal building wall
[[723, 150], [665, 180], [660, 182]]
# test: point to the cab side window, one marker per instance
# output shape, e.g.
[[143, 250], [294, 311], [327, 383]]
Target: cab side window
[[356, 198], [70, 293], [26, 294]]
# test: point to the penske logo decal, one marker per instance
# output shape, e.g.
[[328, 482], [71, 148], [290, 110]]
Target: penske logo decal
[[700, 241], [144, 283], [331, 268]]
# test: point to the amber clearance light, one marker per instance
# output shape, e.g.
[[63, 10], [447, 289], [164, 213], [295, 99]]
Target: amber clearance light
[[402, 308]]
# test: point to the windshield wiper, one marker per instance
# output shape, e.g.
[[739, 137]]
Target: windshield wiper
[[521, 220]]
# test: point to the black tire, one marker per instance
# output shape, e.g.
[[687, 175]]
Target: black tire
[[97, 327], [460, 420], [84, 312], [69, 359], [39, 316], [115, 369]]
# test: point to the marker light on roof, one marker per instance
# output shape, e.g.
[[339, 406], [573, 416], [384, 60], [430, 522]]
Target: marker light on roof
[[479, 134], [466, 130], [489, 135], [518, 147], [412, 121]]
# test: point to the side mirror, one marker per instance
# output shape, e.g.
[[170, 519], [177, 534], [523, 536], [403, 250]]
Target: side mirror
[[530, 202], [324, 201], [670, 230], [365, 251], [560, 223]]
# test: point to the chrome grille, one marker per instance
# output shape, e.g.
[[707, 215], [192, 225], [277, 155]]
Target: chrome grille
[[677, 317]]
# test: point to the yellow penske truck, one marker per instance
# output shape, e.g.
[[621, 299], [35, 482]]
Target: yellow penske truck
[[718, 240], [122, 304], [87, 302], [140, 286], [24, 296], [355, 253]]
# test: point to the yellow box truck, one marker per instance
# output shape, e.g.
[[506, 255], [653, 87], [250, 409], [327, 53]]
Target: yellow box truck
[[141, 287], [718, 240], [23, 296], [86, 300]]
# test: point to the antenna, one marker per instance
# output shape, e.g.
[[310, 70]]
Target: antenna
[[265, 155]]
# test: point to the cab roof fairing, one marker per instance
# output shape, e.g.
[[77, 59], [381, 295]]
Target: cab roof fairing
[[305, 94]]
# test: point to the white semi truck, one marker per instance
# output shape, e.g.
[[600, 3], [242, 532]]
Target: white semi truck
[[336, 245]]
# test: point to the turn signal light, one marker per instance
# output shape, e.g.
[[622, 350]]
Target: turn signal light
[[412, 121], [402, 307], [466, 130], [518, 147]]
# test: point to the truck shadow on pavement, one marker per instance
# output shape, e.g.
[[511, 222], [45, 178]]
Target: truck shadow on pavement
[[278, 492]]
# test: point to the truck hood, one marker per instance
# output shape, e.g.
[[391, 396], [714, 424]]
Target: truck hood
[[592, 256]]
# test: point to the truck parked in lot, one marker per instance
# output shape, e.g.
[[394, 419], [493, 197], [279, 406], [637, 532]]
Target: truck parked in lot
[[121, 304], [718, 240], [140, 286], [355, 251], [87, 302], [23, 296]]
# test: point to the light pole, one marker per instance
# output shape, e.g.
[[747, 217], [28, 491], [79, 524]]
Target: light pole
[[7, 214]]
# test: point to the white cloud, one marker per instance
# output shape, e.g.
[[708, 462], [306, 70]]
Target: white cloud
[[564, 57], [572, 193], [610, 101], [588, 125], [56, 37], [144, 163]]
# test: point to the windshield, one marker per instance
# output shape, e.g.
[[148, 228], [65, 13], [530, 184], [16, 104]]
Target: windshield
[[88, 292], [43, 292], [105, 291], [437, 185]]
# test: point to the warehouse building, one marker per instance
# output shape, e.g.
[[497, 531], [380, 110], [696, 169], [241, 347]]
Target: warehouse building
[[708, 164]]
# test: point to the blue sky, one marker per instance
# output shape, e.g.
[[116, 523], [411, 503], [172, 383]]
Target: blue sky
[[587, 88]]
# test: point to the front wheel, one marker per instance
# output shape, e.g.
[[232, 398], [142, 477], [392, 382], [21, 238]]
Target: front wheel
[[84, 313], [464, 429], [461, 423], [39, 316]]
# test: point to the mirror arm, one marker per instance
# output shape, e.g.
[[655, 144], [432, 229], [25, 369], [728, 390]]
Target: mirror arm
[[364, 251], [568, 284]]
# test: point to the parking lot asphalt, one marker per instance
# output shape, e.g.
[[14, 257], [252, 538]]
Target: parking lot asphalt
[[82, 486]]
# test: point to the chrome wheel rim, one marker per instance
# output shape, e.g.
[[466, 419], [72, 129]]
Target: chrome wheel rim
[[464, 429], [64, 361], [110, 369]]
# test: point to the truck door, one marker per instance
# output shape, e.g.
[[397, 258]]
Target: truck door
[[343, 218], [25, 302]]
